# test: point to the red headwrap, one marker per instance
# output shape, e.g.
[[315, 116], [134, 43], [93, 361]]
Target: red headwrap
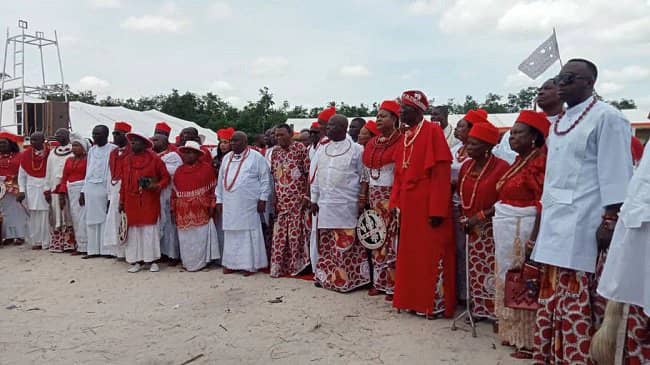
[[536, 120], [163, 128], [371, 126], [130, 136], [226, 133], [10, 136], [476, 116], [122, 127], [390, 105], [326, 114], [314, 125], [415, 98], [485, 132]]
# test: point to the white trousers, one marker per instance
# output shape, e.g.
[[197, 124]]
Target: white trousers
[[143, 244], [39, 228]]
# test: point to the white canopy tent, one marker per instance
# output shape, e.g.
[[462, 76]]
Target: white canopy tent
[[84, 117]]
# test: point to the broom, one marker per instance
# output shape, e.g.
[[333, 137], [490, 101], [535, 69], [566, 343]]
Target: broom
[[603, 344]]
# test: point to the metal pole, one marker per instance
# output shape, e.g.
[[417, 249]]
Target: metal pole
[[40, 49], [558, 48], [22, 82], [4, 75], [58, 53], [468, 306]]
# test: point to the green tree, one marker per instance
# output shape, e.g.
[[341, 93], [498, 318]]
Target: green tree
[[623, 104]]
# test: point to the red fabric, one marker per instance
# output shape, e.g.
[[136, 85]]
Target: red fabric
[[142, 207], [314, 125], [206, 156], [637, 339], [637, 150], [9, 164], [35, 163], [524, 188], [476, 116], [371, 126], [225, 133], [415, 98], [162, 127], [536, 120], [122, 127], [390, 105], [193, 194], [485, 132], [10, 136], [343, 262], [130, 136], [116, 161], [326, 114], [422, 190], [73, 170], [376, 154], [486, 192]]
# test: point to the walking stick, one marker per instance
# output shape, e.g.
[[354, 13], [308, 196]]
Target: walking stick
[[468, 305], [603, 344]]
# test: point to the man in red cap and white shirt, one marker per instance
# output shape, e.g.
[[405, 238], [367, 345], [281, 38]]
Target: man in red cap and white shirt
[[95, 192], [144, 176], [115, 162], [168, 234], [424, 279]]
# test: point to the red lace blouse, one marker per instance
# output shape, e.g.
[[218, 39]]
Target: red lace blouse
[[486, 192], [524, 188], [73, 170]]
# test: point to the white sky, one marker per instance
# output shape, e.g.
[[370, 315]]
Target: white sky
[[313, 52]]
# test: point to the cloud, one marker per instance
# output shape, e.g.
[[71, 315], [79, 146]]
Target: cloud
[[540, 16], [234, 101], [354, 71], [220, 10], [221, 86], [467, 16], [608, 88], [424, 7], [632, 31], [410, 75], [93, 83], [518, 81], [270, 66], [627, 74], [154, 24], [106, 4]]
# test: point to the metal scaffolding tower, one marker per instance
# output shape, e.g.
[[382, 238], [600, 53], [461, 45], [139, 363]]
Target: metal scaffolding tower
[[19, 89]]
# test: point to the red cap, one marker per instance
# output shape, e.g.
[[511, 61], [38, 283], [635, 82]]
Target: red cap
[[415, 98], [177, 139], [130, 136], [122, 127], [536, 120], [476, 116], [10, 136], [371, 126], [326, 114], [314, 125], [162, 128], [226, 133], [485, 132], [390, 105]]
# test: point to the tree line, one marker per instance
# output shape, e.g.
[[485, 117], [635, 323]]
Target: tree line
[[212, 111]]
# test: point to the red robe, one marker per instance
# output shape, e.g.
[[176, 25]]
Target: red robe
[[116, 161], [193, 194], [142, 206], [35, 164], [422, 190], [9, 164], [73, 170]]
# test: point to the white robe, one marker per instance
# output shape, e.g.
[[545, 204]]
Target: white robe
[[503, 150], [96, 189], [313, 236], [168, 233], [142, 244], [626, 275], [78, 214], [15, 216], [39, 224], [198, 246], [587, 169], [244, 247], [337, 183], [53, 174]]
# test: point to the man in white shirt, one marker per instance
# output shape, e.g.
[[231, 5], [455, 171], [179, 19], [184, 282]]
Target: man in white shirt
[[61, 232], [587, 172], [243, 190], [440, 115], [343, 262]]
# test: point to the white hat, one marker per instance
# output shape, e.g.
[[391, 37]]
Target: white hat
[[191, 145]]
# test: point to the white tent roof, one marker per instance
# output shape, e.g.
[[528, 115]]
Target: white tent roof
[[84, 117], [638, 118]]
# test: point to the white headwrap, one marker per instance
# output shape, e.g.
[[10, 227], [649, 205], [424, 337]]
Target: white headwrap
[[75, 137]]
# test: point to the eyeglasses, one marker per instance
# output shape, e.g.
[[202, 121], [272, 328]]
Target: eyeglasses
[[568, 79]]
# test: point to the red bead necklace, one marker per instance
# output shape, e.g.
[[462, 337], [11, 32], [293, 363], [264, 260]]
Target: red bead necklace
[[380, 143], [575, 124], [227, 186], [475, 188]]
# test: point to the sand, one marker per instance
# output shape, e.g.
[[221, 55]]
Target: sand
[[59, 309]]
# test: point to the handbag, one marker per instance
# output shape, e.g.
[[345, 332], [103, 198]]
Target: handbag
[[522, 287]]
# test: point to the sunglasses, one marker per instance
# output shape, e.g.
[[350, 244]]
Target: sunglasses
[[568, 79]]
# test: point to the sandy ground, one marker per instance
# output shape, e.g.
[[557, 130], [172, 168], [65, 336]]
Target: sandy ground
[[59, 309]]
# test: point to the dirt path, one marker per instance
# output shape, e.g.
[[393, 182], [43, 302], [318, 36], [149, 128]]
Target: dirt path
[[59, 309]]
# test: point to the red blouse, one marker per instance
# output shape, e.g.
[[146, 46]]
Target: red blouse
[[524, 188], [9, 164], [486, 191], [73, 170]]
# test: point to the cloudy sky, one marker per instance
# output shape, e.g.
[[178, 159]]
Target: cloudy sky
[[313, 52]]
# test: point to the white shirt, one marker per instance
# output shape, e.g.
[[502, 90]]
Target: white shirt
[[503, 150], [172, 161], [55, 164], [587, 169], [252, 184], [98, 171], [337, 183]]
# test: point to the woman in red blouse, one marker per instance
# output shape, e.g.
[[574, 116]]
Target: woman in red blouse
[[14, 217], [478, 179], [516, 222], [74, 173]]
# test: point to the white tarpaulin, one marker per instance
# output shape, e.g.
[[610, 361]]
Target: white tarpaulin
[[84, 117]]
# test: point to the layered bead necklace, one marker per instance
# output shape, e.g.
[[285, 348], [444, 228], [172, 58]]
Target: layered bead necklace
[[227, 186], [556, 126], [514, 169], [476, 183], [409, 139], [380, 143]]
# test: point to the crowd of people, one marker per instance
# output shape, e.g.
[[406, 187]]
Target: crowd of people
[[425, 215]]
